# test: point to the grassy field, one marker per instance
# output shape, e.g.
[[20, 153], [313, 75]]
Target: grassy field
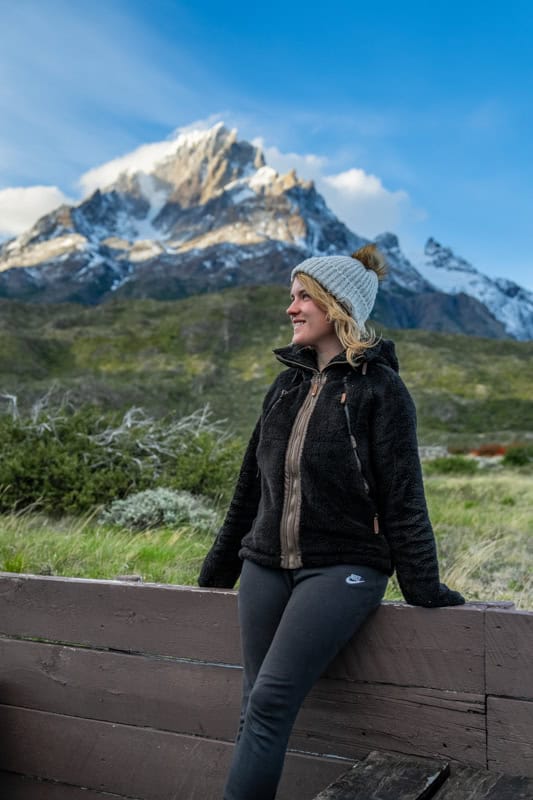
[[176, 356], [483, 524]]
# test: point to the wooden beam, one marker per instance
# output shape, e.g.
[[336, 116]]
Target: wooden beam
[[22, 787], [338, 718], [178, 621], [136, 762], [441, 648], [466, 783], [509, 653], [436, 648], [510, 736], [351, 719], [384, 776]]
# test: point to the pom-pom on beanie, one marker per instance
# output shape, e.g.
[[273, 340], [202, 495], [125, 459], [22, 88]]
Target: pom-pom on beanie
[[352, 280]]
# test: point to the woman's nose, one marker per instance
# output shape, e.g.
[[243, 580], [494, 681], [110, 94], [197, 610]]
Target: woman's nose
[[293, 307]]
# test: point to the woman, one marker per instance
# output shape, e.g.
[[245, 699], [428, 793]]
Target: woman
[[329, 501]]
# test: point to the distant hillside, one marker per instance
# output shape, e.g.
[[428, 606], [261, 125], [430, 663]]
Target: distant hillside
[[216, 348]]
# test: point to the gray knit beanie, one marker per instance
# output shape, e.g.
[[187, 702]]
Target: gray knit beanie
[[351, 283]]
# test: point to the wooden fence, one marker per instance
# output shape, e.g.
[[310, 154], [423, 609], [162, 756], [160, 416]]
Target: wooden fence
[[133, 690]]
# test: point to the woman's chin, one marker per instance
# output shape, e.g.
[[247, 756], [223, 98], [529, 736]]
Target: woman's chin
[[297, 338]]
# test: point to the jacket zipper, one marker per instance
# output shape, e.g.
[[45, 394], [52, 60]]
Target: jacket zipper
[[356, 455], [290, 517]]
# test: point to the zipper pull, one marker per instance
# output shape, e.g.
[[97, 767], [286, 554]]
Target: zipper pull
[[343, 398], [318, 380], [376, 523]]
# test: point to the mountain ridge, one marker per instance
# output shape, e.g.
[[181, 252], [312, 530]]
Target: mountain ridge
[[207, 212]]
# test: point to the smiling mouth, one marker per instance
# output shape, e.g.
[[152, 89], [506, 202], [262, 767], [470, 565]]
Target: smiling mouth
[[298, 323]]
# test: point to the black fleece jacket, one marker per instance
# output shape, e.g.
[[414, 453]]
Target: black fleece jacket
[[362, 495]]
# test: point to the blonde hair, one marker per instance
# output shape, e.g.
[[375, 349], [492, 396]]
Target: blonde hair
[[354, 339]]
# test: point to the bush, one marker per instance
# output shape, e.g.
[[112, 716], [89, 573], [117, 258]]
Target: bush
[[456, 465], [156, 508], [68, 460], [518, 455]]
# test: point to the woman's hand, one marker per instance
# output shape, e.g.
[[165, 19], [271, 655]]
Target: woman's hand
[[446, 597]]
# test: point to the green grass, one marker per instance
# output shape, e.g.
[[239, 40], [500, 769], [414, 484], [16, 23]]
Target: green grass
[[484, 529], [74, 547], [483, 524]]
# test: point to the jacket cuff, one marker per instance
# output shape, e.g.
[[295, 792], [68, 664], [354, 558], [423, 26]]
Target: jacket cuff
[[218, 577]]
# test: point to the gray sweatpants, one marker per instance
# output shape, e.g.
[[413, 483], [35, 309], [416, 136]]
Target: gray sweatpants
[[293, 623]]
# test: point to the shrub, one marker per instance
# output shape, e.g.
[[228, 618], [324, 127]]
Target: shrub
[[155, 508], [457, 465], [518, 455], [69, 460]]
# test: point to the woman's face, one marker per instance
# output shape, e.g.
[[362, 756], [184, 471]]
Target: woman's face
[[309, 322]]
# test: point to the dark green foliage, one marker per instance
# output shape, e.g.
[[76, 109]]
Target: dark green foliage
[[456, 465], [519, 455], [204, 468], [71, 460]]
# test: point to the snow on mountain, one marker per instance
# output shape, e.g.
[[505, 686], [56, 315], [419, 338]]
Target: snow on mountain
[[202, 211], [401, 270], [509, 303], [164, 212]]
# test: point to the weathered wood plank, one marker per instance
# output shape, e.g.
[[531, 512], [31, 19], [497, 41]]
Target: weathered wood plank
[[509, 653], [441, 648], [339, 718], [510, 736], [21, 787], [178, 621], [437, 648], [466, 783], [383, 776], [136, 762], [351, 719], [179, 696]]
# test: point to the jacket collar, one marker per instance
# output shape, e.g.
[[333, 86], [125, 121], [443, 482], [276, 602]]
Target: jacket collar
[[305, 357]]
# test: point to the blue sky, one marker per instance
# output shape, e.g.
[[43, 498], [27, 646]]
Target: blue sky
[[414, 117]]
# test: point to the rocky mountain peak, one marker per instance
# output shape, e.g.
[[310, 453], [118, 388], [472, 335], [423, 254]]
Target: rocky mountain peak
[[443, 257], [401, 270], [202, 165], [510, 304], [387, 241], [203, 211]]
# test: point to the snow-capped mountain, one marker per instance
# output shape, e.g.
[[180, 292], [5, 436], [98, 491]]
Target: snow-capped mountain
[[203, 211], [208, 214], [509, 303]]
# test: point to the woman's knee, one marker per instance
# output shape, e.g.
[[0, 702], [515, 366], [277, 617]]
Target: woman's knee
[[272, 698]]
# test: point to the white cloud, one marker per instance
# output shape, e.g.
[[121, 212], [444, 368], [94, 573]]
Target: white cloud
[[308, 166], [364, 204], [21, 207], [357, 197], [142, 159]]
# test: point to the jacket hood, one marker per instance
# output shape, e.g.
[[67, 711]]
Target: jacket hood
[[383, 352]]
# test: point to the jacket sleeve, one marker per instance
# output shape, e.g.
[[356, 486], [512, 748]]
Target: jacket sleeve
[[222, 565], [401, 497]]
